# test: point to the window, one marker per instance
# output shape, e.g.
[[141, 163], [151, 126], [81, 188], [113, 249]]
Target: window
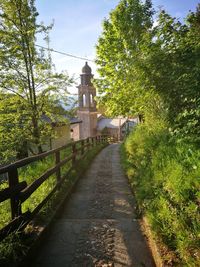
[[84, 100], [91, 100]]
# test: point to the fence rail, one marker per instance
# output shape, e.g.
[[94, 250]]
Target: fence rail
[[18, 191]]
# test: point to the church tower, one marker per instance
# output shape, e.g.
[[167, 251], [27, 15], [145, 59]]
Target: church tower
[[87, 111]]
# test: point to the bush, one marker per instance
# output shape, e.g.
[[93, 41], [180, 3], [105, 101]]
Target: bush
[[165, 176]]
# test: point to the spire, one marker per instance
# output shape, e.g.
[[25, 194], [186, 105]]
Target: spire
[[86, 69]]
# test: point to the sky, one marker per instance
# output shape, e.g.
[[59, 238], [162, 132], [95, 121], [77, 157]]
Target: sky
[[78, 24]]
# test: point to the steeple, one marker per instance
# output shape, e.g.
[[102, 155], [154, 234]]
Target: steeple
[[86, 69], [87, 91], [87, 111], [86, 75]]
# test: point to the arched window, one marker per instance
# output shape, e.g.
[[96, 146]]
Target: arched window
[[91, 100], [84, 100]]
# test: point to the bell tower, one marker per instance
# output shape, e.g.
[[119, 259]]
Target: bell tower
[[87, 111]]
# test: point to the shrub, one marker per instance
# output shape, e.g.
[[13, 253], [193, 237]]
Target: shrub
[[165, 176]]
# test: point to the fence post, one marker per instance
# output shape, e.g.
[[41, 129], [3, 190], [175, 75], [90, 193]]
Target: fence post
[[13, 180], [58, 175], [88, 143], [73, 153], [92, 141], [96, 140], [82, 146]]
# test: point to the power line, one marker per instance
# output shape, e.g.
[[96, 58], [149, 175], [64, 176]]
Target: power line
[[65, 54]]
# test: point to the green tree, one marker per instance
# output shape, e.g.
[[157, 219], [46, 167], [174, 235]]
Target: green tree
[[27, 77], [151, 70], [119, 54], [171, 66]]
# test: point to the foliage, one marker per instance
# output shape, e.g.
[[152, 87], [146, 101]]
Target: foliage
[[29, 85], [171, 66], [118, 55], [151, 70], [165, 177], [14, 246]]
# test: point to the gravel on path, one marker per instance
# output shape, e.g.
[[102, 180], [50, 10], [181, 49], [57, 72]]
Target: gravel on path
[[98, 225]]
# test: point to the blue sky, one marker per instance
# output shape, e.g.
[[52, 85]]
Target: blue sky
[[77, 25]]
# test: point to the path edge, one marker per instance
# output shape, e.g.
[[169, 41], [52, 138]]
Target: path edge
[[151, 240], [144, 224]]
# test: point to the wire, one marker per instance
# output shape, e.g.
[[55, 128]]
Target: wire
[[65, 54]]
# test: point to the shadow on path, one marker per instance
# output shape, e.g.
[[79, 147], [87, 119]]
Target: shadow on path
[[98, 225]]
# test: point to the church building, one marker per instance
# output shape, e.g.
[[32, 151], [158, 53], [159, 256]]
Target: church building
[[87, 111], [92, 123]]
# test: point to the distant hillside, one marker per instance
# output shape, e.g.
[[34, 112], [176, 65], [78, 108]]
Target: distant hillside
[[71, 104]]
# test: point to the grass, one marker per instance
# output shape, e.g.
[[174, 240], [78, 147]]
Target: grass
[[29, 174], [5, 213], [165, 176], [16, 245]]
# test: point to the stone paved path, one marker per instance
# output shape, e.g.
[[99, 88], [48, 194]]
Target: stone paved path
[[98, 226]]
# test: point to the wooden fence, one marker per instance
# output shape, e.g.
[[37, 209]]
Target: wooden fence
[[18, 191]]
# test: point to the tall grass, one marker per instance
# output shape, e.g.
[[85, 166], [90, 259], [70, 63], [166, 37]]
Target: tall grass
[[165, 176]]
